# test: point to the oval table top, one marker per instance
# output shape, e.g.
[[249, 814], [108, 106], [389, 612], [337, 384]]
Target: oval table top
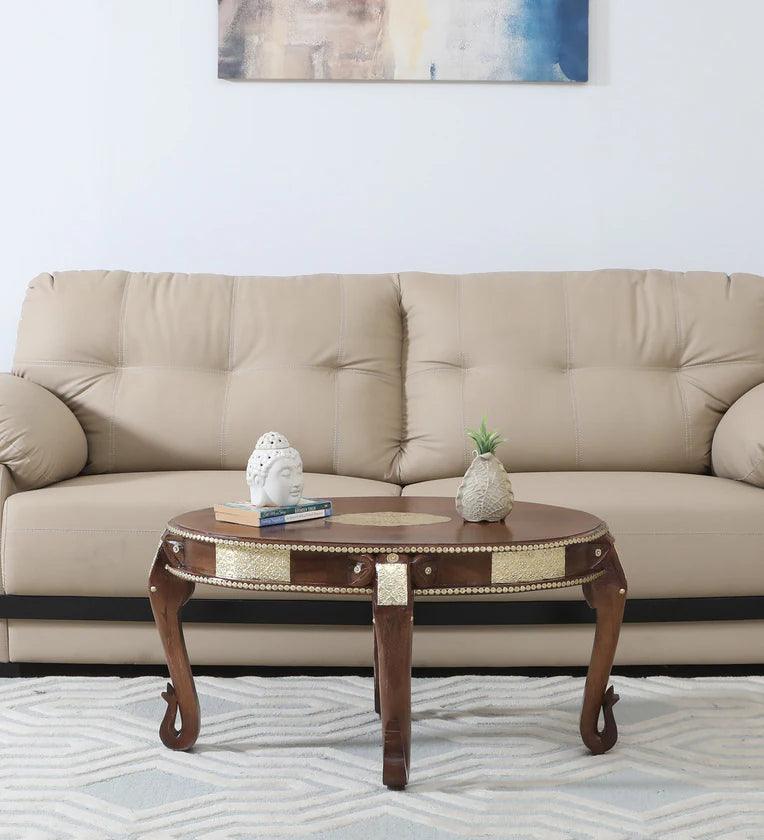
[[403, 521]]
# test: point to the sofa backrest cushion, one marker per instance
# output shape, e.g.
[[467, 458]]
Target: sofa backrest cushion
[[595, 370], [169, 371], [601, 370]]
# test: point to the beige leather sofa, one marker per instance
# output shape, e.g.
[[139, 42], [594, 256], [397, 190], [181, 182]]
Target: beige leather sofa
[[635, 395]]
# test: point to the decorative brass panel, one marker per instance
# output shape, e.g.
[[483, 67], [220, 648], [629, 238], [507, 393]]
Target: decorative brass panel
[[242, 562], [389, 518], [528, 566], [392, 585]]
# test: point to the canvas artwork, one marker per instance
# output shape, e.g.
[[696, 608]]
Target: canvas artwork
[[437, 40]]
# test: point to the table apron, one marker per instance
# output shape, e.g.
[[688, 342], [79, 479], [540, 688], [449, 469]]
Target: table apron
[[276, 568]]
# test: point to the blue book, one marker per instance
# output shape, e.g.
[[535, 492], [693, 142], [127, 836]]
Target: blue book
[[295, 517], [244, 513]]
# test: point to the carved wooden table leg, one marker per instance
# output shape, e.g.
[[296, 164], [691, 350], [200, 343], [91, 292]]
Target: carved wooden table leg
[[607, 595], [168, 594], [376, 677], [393, 630]]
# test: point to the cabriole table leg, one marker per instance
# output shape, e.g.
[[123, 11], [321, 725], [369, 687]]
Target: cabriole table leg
[[168, 594], [376, 677], [607, 595], [393, 608]]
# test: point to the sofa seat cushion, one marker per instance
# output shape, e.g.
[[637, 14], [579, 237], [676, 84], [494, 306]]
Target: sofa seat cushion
[[96, 535], [677, 535]]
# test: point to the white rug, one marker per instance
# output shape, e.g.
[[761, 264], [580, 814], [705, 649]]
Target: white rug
[[492, 757]]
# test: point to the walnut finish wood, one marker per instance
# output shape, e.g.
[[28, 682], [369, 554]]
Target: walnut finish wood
[[376, 676], [329, 564], [607, 595], [528, 523], [313, 568], [455, 568], [168, 594], [393, 634]]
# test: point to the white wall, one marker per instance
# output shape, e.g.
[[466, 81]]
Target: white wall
[[121, 149]]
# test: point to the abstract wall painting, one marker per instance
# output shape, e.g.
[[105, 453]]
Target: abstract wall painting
[[377, 40]]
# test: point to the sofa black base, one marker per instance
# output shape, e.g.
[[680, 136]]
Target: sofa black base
[[43, 669], [358, 613]]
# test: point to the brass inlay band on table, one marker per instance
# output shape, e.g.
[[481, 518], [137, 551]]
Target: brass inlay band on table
[[392, 585], [235, 561], [534, 586], [389, 518], [592, 536], [346, 590], [541, 564], [266, 587]]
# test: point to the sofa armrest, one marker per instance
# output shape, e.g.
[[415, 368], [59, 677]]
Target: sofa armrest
[[41, 441], [738, 445], [6, 489]]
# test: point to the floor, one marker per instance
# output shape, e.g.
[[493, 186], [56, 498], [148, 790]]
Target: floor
[[493, 756]]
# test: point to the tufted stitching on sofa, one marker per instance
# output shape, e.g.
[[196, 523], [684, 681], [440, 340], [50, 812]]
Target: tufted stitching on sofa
[[445, 365], [47, 477], [678, 378], [569, 369], [118, 375], [395, 465], [157, 531], [462, 365], [374, 374], [736, 362], [727, 362], [340, 358], [61, 363], [229, 369], [380, 374], [757, 466]]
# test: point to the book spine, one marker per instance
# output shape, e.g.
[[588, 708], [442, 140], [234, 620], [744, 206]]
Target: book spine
[[294, 517], [290, 509]]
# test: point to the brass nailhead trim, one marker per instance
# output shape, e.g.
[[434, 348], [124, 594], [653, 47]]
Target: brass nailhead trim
[[503, 590], [344, 590], [408, 549], [267, 587]]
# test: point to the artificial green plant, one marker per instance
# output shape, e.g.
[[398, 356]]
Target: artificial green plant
[[485, 440]]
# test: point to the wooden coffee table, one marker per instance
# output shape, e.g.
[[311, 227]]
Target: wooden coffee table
[[393, 550]]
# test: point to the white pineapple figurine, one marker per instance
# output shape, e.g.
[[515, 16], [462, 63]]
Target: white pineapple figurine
[[485, 494]]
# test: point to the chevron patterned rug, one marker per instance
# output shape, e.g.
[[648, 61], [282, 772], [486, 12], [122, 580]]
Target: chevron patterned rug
[[299, 757]]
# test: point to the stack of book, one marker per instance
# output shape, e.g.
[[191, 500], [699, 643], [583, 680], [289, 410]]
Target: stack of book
[[243, 513]]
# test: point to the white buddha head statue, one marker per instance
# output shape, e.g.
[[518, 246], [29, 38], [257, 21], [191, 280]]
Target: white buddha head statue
[[274, 472]]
